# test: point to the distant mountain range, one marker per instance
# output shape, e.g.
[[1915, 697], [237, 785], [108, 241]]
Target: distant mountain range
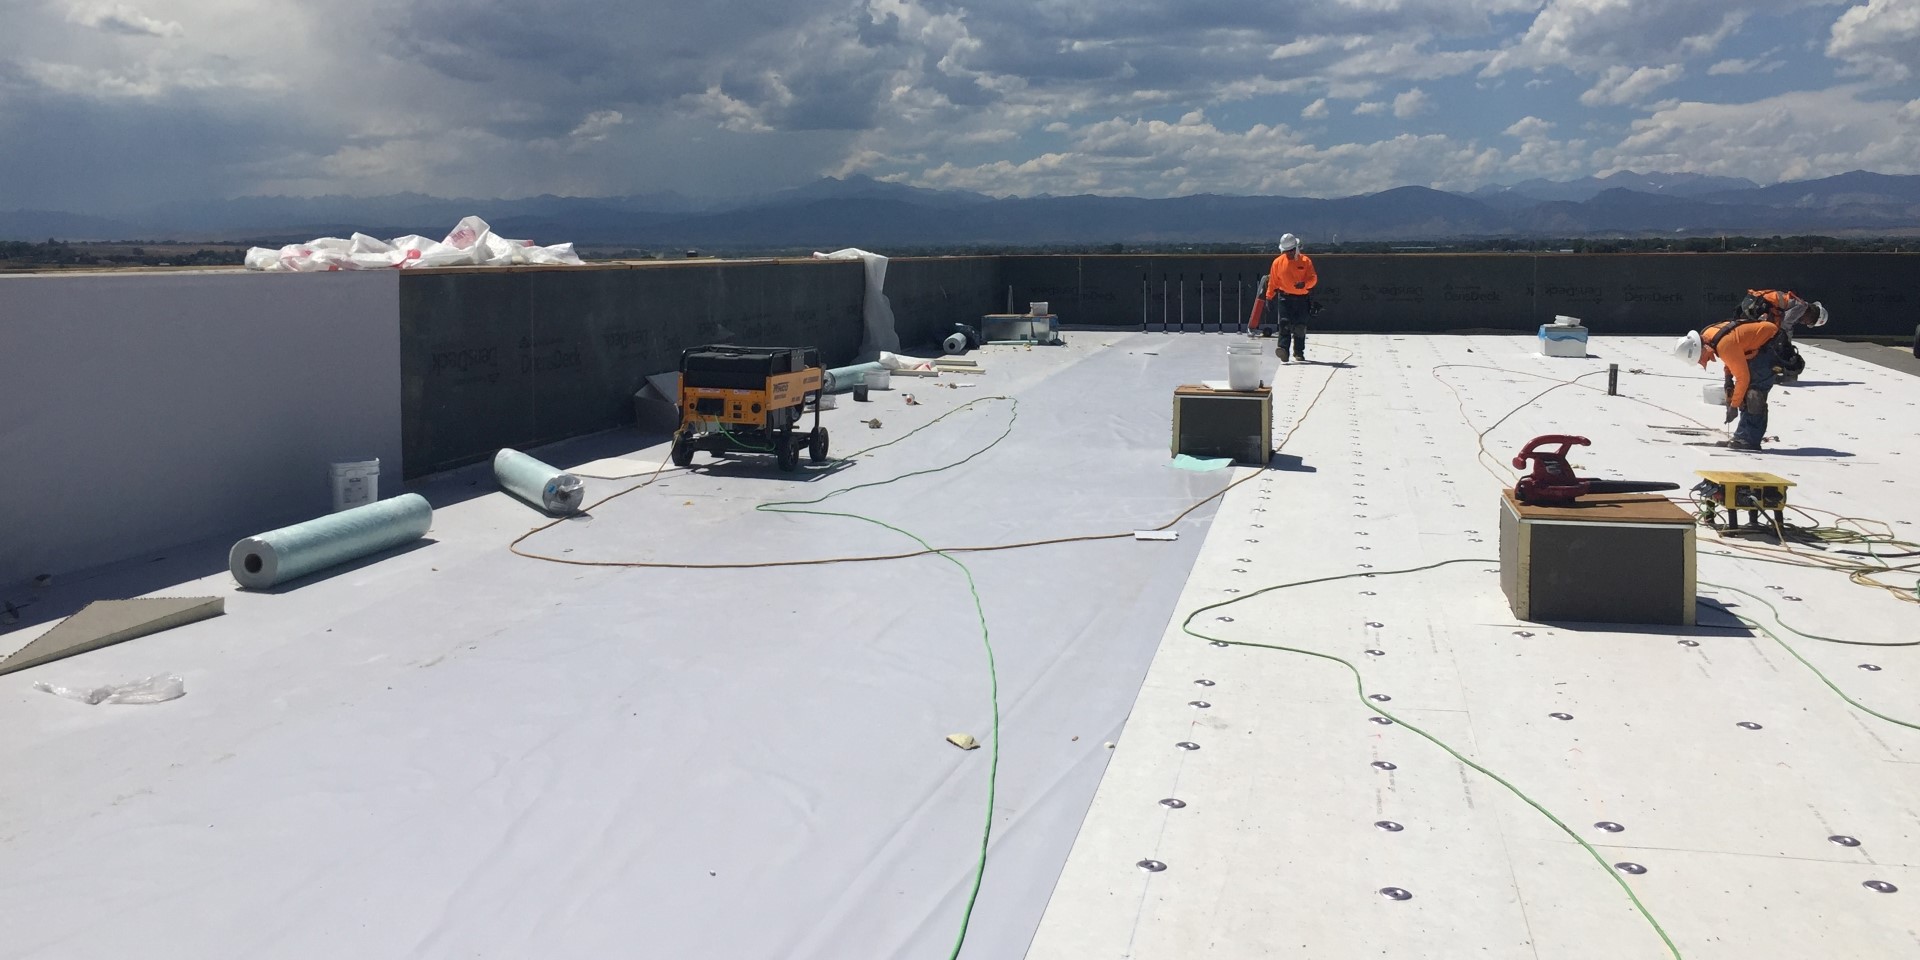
[[859, 211]]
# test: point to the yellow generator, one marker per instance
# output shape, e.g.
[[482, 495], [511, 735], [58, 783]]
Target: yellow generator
[[749, 400]]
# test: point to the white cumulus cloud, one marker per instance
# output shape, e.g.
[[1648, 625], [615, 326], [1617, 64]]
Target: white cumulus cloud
[[1529, 127], [1412, 103], [121, 19], [1879, 38], [1621, 85], [1316, 110]]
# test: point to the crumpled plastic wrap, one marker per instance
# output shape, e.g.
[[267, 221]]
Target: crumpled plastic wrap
[[155, 689], [471, 244]]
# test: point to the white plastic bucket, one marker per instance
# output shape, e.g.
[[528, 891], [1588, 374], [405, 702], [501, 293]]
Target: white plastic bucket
[[1714, 393], [355, 483], [1037, 308], [1243, 366], [879, 379]]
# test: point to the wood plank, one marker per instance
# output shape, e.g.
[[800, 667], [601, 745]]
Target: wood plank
[[1607, 508]]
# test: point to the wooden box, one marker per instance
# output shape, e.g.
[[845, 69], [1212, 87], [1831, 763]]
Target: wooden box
[[1612, 558], [1237, 424]]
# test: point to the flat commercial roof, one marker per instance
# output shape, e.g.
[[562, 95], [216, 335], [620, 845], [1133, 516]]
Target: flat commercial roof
[[1301, 817], [457, 750]]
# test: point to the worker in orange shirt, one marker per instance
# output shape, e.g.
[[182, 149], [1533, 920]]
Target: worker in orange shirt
[[1790, 313], [1289, 287], [1746, 348]]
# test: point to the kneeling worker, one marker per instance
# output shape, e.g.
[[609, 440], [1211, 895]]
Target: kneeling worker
[[1746, 349], [1290, 285]]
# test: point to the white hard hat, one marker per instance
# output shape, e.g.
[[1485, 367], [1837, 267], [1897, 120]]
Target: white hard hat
[[1289, 242], [1819, 315], [1687, 348]]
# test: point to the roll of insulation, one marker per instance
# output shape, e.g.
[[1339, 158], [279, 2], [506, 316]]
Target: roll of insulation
[[549, 488], [842, 379], [274, 557], [955, 343]]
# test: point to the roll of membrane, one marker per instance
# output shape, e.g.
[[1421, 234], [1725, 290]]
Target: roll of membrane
[[549, 488], [274, 557], [843, 379]]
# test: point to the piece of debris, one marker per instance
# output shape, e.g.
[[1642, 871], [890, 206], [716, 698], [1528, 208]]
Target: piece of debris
[[1199, 464], [1156, 535], [156, 689], [911, 402], [1109, 744], [964, 741], [874, 423], [107, 622]]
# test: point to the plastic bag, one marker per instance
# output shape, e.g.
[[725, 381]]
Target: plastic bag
[[472, 242], [155, 689]]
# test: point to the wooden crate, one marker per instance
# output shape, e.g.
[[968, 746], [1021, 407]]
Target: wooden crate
[[1614, 558], [1237, 424]]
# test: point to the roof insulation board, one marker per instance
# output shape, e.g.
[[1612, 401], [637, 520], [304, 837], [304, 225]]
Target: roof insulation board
[[1275, 849]]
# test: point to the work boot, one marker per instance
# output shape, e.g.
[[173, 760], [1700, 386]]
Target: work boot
[[1281, 352], [1741, 445]]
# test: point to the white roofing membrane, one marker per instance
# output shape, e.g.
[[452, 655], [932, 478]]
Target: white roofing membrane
[[455, 751], [1276, 851]]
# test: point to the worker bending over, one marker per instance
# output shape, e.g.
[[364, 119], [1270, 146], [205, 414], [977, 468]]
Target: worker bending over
[[1788, 311], [1747, 349], [1290, 286]]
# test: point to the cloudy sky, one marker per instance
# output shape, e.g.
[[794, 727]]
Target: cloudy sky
[[106, 105]]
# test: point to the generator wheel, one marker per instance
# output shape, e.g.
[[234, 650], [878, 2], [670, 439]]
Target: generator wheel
[[817, 445], [682, 453], [786, 452]]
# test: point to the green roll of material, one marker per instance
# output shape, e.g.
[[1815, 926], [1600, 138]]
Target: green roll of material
[[547, 487], [844, 379], [274, 557]]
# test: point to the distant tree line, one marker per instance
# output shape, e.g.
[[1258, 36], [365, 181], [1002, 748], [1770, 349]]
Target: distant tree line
[[20, 255]]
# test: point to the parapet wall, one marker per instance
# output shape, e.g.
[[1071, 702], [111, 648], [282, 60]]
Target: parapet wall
[[1867, 293], [142, 410], [517, 358]]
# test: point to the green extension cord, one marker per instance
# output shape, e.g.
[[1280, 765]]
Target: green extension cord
[[979, 609], [1757, 625], [736, 441], [1360, 690]]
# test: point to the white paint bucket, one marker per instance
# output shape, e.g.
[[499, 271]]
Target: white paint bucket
[[356, 483], [1243, 366], [879, 379]]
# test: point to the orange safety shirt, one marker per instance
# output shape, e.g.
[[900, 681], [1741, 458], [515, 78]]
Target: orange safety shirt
[[1778, 302], [1293, 275], [1740, 345]]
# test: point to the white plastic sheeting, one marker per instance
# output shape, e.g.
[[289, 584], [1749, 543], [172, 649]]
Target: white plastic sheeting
[[471, 244], [880, 334]]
